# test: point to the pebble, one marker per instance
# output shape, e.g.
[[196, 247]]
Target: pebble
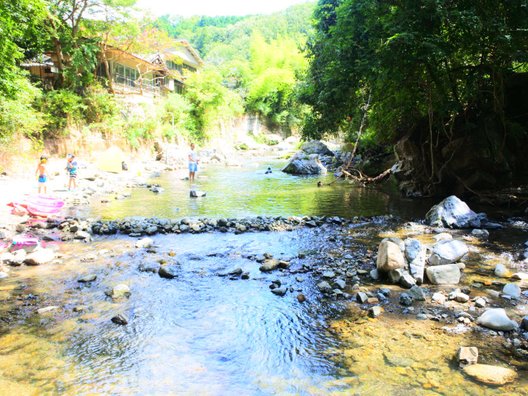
[[120, 320]]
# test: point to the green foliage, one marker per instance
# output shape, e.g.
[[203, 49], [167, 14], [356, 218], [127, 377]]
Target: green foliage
[[17, 114], [177, 117], [428, 60], [100, 105], [62, 108], [19, 23], [212, 103]]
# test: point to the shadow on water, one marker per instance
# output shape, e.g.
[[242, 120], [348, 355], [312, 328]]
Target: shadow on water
[[247, 191]]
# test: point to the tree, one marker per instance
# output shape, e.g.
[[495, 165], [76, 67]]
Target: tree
[[434, 70]]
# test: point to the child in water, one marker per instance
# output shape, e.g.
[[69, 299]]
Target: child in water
[[41, 173], [71, 167]]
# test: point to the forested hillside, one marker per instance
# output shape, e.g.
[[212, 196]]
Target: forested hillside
[[250, 65], [444, 81]]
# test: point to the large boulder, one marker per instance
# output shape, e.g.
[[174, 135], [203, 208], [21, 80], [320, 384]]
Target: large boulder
[[415, 254], [496, 319], [390, 257], [452, 213], [447, 252], [316, 147], [448, 274], [303, 164]]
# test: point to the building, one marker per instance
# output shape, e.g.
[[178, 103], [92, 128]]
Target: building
[[126, 73]]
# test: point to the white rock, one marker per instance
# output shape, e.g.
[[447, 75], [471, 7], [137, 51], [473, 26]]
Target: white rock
[[46, 309], [452, 212], [447, 252], [144, 243], [40, 256], [512, 290], [501, 271], [120, 290], [439, 298], [390, 257], [520, 276], [467, 356], [496, 319], [443, 236], [443, 274], [480, 302]]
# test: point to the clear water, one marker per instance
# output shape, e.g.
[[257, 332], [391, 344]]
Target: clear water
[[206, 334], [247, 191]]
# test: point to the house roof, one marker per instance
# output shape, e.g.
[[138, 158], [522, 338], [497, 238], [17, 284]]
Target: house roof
[[42, 60]]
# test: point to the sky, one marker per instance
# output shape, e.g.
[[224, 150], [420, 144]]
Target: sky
[[215, 7]]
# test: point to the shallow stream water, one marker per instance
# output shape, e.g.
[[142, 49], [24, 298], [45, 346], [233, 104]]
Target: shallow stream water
[[207, 334]]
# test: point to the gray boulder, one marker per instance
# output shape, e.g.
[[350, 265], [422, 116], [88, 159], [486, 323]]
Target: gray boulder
[[303, 164], [447, 252], [415, 253], [448, 274], [452, 213], [316, 147]]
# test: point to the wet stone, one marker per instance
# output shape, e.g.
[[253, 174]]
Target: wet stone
[[324, 287], [361, 297], [375, 311], [301, 298], [120, 319], [87, 278], [281, 291], [168, 272], [406, 300]]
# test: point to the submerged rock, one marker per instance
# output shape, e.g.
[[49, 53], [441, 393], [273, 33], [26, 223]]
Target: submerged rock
[[167, 271], [492, 375]]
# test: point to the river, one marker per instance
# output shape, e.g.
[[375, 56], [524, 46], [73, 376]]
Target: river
[[210, 334]]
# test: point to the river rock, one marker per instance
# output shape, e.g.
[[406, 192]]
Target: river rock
[[453, 213], [374, 311], [87, 278], [316, 147], [14, 259], [197, 194], [448, 274], [439, 298], [467, 356], [417, 293], [374, 274], [407, 281], [523, 276], [302, 164], [279, 291], [406, 299], [168, 271], [44, 310], [324, 287], [480, 233], [492, 375], [120, 290], [395, 275], [390, 257], [144, 243], [447, 252], [496, 319], [480, 302], [524, 323], [3, 275], [83, 235], [269, 265], [501, 271], [512, 290], [40, 256], [120, 319], [415, 254], [149, 267], [361, 297]]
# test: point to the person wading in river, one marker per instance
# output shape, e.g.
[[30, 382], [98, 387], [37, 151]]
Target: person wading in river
[[193, 163]]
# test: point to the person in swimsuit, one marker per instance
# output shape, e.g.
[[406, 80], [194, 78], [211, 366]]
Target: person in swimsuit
[[41, 173], [71, 167], [193, 163]]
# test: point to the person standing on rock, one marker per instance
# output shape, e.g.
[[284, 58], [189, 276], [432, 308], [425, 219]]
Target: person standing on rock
[[41, 173], [193, 163]]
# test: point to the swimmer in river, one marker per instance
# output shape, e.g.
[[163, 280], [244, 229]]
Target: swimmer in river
[[268, 171]]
